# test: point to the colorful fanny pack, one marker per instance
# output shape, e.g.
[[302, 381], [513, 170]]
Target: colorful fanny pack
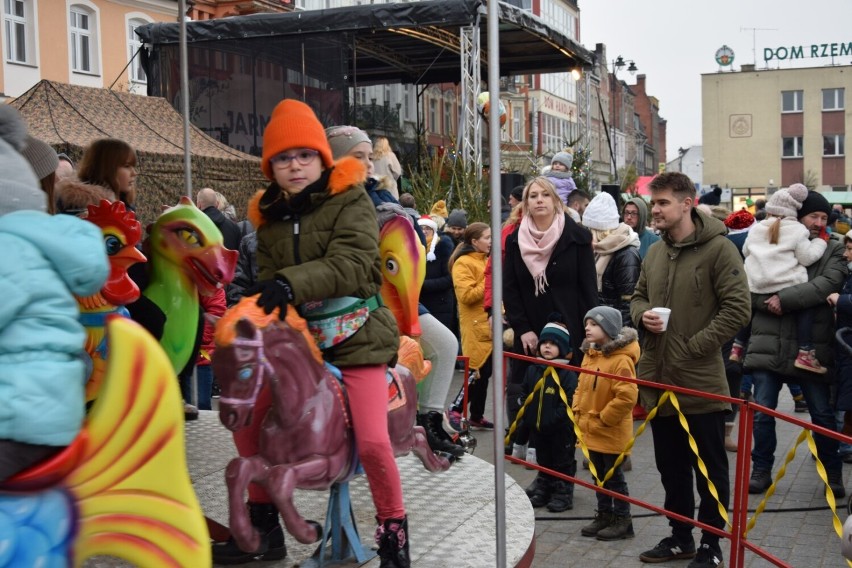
[[333, 321]]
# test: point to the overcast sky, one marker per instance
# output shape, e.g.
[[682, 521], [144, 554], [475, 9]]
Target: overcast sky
[[674, 41]]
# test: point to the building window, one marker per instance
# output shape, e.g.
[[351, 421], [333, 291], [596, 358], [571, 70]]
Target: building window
[[433, 116], [833, 145], [791, 101], [448, 118], [832, 99], [83, 40], [137, 73], [18, 22], [792, 147], [517, 124]]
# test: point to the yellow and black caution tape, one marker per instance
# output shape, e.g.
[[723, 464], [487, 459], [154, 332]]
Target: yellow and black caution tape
[[805, 434]]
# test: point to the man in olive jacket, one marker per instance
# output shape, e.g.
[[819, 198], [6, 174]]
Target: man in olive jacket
[[697, 273], [773, 347]]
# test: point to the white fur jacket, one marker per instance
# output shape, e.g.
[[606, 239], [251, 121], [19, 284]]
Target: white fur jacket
[[771, 268]]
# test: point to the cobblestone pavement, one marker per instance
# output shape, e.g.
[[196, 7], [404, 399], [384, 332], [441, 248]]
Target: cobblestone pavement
[[796, 525]]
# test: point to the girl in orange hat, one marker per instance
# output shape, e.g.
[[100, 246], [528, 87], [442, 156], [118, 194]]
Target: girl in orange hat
[[314, 244]]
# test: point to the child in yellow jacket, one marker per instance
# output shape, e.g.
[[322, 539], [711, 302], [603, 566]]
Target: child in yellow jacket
[[603, 410]]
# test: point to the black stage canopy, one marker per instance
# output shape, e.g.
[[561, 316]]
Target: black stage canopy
[[415, 42]]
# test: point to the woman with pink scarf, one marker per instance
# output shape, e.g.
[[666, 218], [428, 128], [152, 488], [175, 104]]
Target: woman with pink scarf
[[548, 267]]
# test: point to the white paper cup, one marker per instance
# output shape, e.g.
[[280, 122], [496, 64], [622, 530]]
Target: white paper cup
[[664, 314]]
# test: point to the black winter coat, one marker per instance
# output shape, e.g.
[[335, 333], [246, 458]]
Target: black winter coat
[[437, 293], [619, 282], [231, 232], [572, 290], [245, 274], [547, 412]]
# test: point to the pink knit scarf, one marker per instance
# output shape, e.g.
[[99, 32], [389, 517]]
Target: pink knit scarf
[[537, 246]]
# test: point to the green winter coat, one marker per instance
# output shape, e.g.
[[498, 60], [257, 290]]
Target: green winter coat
[[703, 282], [325, 242], [774, 341]]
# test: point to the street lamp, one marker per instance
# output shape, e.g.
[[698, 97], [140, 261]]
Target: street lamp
[[617, 65]]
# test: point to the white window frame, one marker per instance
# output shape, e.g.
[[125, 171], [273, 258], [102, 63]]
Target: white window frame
[[517, 124], [12, 26], [448, 118], [798, 97], [839, 143], [433, 116], [798, 147], [135, 71], [77, 34], [839, 99]]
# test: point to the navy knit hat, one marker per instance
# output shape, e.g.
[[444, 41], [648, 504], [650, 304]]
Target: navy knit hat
[[556, 332]]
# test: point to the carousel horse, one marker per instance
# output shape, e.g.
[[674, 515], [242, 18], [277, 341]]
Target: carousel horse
[[121, 233], [305, 438], [122, 487], [187, 257]]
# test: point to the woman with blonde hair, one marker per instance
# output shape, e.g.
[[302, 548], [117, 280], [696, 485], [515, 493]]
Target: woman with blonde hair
[[548, 267], [386, 164]]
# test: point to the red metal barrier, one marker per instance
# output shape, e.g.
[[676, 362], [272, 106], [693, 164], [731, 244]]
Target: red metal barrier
[[738, 508]]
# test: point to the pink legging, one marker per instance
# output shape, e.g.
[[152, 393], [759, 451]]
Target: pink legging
[[367, 389]]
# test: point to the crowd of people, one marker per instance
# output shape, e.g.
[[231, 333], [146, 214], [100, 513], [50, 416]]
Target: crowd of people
[[674, 290]]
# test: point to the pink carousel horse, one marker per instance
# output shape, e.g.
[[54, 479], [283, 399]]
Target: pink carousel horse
[[305, 438]]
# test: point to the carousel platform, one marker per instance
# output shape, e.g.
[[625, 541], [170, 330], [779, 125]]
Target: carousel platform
[[451, 514]]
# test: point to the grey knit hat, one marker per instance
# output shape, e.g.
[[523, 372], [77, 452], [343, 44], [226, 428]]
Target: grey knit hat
[[608, 318], [19, 188], [343, 138], [787, 202], [564, 158], [42, 158], [457, 218]]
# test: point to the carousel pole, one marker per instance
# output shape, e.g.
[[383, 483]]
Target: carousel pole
[[187, 149], [497, 276]]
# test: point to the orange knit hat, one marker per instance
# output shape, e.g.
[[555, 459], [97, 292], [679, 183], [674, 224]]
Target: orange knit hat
[[293, 125]]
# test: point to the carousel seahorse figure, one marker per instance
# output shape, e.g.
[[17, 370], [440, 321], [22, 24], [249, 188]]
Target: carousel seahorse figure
[[122, 487], [121, 233]]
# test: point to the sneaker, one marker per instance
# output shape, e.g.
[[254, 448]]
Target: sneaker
[[519, 451], [531, 458], [481, 424], [620, 528], [760, 481], [835, 482], [453, 420], [602, 521], [668, 549], [707, 557], [800, 406], [561, 497], [737, 353], [807, 361]]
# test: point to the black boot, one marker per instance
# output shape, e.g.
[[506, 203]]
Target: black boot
[[561, 497], [264, 517], [539, 491], [438, 438], [392, 538]]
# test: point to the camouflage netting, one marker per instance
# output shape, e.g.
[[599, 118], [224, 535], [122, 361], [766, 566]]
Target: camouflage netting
[[70, 117]]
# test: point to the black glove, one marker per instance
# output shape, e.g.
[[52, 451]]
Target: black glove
[[274, 293]]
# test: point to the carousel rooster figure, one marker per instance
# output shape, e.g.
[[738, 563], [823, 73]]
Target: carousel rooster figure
[[121, 233]]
